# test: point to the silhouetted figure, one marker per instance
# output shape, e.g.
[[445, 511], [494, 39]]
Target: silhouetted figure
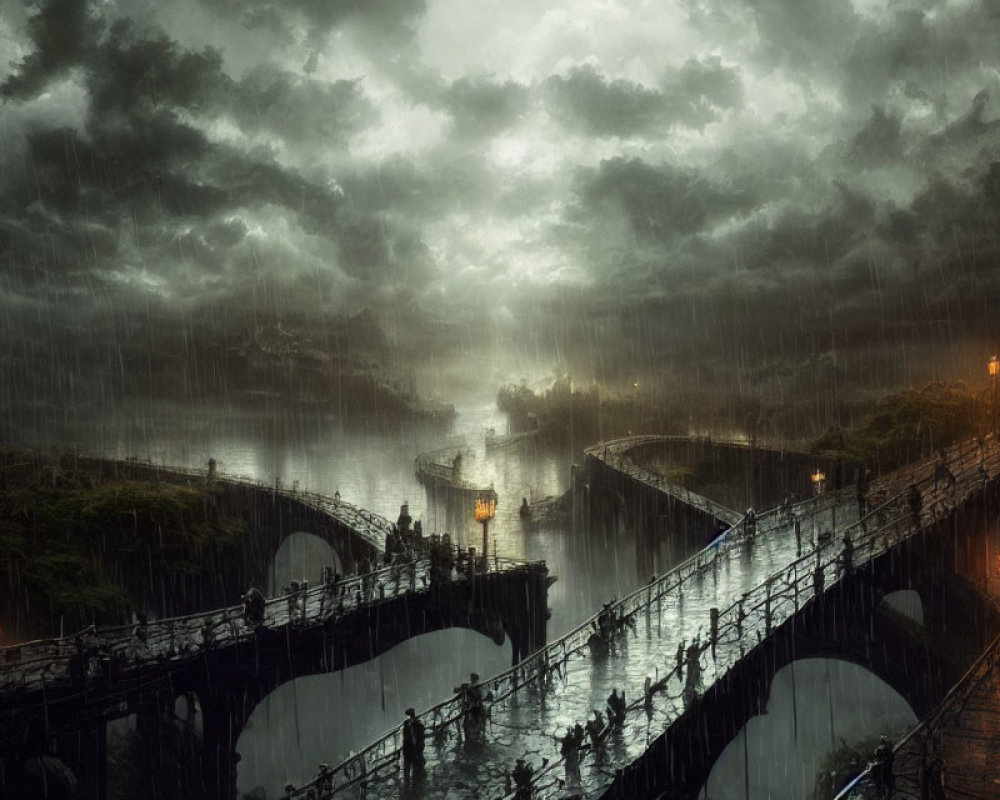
[[522, 780], [750, 523], [208, 634], [473, 707], [847, 555], [680, 660], [882, 772], [693, 665], [942, 473], [569, 749], [786, 506], [404, 520], [916, 504], [861, 490], [141, 628], [713, 628], [595, 727], [616, 708], [413, 743], [524, 511], [819, 581], [253, 606]]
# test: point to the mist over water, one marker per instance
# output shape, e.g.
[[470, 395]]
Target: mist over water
[[323, 718]]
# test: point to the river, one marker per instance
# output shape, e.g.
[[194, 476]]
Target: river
[[322, 718]]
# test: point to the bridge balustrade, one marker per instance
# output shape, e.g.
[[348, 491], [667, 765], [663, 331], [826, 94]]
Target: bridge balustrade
[[47, 662], [367, 525], [740, 626]]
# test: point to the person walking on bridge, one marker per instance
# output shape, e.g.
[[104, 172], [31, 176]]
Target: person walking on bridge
[[693, 665], [522, 775], [884, 779], [413, 744], [616, 708]]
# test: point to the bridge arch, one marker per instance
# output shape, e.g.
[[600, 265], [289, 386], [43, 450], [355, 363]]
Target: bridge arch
[[906, 602], [301, 555], [812, 704], [357, 705]]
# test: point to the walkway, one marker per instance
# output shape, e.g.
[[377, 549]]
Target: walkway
[[430, 470], [616, 455], [119, 653], [755, 581]]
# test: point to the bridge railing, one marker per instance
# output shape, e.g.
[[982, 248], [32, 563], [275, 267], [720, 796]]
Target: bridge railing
[[744, 622], [764, 607], [980, 673], [44, 662], [625, 443], [367, 525], [773, 601], [384, 752], [426, 466]]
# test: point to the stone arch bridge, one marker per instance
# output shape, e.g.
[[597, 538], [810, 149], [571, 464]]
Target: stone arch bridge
[[761, 596]]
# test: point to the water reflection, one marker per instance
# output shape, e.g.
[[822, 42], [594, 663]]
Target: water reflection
[[321, 718]]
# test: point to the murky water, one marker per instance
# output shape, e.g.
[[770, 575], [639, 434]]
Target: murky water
[[322, 718]]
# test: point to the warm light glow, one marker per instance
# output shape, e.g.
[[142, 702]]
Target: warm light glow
[[994, 366], [485, 509], [818, 477]]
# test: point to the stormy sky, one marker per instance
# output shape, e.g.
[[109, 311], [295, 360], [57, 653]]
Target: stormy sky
[[794, 165]]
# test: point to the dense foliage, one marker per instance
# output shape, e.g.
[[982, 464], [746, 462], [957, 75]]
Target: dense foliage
[[910, 424], [76, 548]]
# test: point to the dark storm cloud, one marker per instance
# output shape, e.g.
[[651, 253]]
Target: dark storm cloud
[[709, 82], [300, 110], [691, 96], [482, 107], [343, 153], [62, 32], [141, 181], [659, 201], [586, 100], [388, 16]]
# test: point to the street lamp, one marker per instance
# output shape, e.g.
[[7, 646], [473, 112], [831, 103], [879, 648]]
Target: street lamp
[[994, 372], [818, 481], [486, 507]]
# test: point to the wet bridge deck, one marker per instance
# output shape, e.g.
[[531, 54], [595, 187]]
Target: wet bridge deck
[[756, 583]]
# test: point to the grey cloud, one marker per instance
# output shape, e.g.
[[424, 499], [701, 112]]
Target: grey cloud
[[481, 107], [392, 17], [709, 81], [691, 96], [659, 201], [586, 100], [62, 32], [301, 111]]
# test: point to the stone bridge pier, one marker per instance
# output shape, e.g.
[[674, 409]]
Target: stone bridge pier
[[945, 565], [188, 748], [608, 499]]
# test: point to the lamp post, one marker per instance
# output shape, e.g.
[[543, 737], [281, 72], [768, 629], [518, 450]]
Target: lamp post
[[818, 481], [486, 507], [994, 372]]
